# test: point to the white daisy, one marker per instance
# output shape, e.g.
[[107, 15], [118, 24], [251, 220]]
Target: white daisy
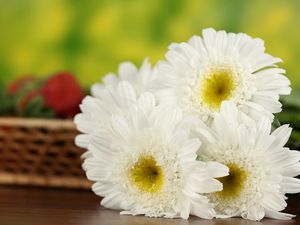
[[141, 79], [261, 169], [203, 72], [112, 96], [97, 112], [145, 163]]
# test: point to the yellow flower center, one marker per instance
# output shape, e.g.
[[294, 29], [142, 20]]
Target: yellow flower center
[[217, 87], [234, 183], [147, 175]]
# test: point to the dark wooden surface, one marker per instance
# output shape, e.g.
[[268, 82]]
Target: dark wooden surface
[[37, 206]]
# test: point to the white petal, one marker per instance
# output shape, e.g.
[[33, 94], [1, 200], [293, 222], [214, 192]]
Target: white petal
[[127, 70], [127, 93], [278, 215], [282, 134], [216, 169], [209, 38], [189, 151], [273, 201], [255, 213], [121, 128], [83, 123], [96, 90], [111, 201], [185, 209], [290, 185], [197, 43], [110, 79], [269, 104], [102, 188], [146, 102], [202, 210], [82, 140], [265, 61]]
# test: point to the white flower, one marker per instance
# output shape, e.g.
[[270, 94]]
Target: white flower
[[261, 169], [141, 79], [97, 112], [113, 96], [200, 74], [145, 163]]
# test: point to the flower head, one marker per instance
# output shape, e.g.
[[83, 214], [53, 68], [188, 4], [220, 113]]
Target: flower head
[[261, 169], [202, 73], [140, 78], [114, 96], [144, 161]]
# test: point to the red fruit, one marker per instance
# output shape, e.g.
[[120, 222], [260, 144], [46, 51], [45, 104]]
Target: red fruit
[[18, 84], [63, 94]]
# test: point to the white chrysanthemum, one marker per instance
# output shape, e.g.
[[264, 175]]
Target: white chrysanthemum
[[261, 169], [111, 97], [145, 163], [141, 79], [203, 72]]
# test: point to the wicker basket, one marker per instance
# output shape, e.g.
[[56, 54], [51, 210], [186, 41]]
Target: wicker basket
[[40, 152]]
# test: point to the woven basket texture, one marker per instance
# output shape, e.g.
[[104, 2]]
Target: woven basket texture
[[40, 152]]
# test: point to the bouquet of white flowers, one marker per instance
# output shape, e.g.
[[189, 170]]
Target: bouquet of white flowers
[[193, 135]]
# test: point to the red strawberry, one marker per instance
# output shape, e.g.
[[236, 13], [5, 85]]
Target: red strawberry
[[62, 94], [20, 83]]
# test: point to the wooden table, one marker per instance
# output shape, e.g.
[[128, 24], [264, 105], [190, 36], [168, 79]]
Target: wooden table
[[37, 206]]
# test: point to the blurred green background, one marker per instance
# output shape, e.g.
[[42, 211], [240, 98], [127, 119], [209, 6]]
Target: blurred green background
[[90, 38]]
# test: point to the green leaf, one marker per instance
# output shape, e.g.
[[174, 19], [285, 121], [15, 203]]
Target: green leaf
[[290, 117], [35, 108], [6, 102], [293, 100]]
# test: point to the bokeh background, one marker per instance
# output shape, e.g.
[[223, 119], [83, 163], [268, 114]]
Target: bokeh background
[[90, 38]]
